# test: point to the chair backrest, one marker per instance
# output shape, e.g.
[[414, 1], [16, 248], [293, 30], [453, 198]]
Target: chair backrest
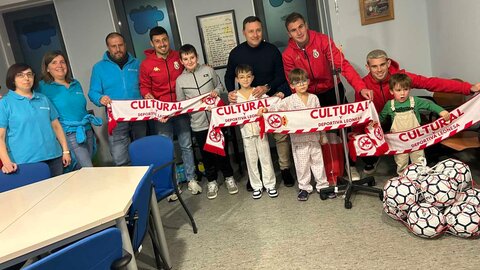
[[448, 100], [97, 251], [26, 174], [139, 211], [157, 150]]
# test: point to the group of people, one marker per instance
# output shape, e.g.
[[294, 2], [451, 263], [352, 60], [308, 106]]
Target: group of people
[[54, 112]]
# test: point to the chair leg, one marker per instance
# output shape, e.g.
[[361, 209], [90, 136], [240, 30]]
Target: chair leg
[[194, 225], [159, 259]]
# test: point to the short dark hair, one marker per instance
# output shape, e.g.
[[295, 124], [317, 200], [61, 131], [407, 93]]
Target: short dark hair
[[47, 59], [157, 30], [12, 72], [187, 49], [112, 35], [251, 19], [292, 17], [401, 79], [243, 68], [296, 75]]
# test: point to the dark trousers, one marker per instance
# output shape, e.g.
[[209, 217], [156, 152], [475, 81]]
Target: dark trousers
[[212, 162]]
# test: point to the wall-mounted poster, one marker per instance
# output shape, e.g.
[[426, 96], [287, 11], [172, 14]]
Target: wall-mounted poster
[[218, 34]]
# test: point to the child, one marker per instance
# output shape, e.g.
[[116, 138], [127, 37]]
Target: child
[[404, 111], [196, 80], [306, 149], [255, 147]]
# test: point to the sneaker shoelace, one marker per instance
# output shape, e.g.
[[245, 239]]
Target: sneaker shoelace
[[211, 188]]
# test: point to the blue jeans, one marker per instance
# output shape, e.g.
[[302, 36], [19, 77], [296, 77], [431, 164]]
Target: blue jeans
[[81, 153], [122, 135], [55, 165], [181, 125]]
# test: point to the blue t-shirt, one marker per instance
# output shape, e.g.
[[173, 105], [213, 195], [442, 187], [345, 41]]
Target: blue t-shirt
[[69, 102], [29, 134]]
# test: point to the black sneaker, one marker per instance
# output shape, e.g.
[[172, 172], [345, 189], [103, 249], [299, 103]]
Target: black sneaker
[[332, 195], [287, 177], [257, 194], [272, 192], [249, 187], [302, 195]]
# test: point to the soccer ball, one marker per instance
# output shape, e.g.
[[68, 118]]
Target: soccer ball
[[470, 196], [399, 193], [395, 213], [416, 173], [425, 220], [458, 171], [438, 191], [463, 219]]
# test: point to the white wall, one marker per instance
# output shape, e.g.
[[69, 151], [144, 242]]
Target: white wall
[[84, 26], [454, 38], [405, 38], [187, 12]]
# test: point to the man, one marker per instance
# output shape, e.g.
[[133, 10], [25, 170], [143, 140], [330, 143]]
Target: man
[[266, 61], [158, 74], [381, 68], [115, 77], [314, 52]]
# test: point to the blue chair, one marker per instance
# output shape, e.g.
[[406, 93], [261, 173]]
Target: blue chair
[[159, 151], [26, 174], [101, 251], [139, 220]]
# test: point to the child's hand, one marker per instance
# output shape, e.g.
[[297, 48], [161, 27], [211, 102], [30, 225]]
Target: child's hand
[[445, 115], [163, 119], [279, 94], [213, 94], [232, 97], [323, 138], [261, 111]]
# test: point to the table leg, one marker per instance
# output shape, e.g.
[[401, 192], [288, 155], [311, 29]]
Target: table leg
[[157, 221], [126, 242]]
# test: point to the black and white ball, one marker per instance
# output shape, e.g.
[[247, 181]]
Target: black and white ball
[[416, 173], [395, 213], [438, 191], [399, 193], [426, 221], [459, 172], [463, 219], [470, 196]]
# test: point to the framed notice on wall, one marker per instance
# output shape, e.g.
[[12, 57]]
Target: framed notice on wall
[[218, 34]]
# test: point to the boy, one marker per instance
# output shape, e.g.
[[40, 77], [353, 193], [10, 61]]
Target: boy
[[404, 111], [306, 148], [255, 147], [196, 80]]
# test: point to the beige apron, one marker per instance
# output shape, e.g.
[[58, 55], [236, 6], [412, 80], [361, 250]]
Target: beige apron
[[403, 121]]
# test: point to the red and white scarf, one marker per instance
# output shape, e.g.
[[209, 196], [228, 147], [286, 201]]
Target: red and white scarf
[[421, 137], [232, 115], [148, 109], [324, 119]]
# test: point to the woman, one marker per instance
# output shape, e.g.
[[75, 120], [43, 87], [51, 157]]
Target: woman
[[29, 128], [67, 96]]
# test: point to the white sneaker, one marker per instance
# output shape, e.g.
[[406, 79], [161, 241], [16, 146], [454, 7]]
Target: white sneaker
[[212, 190], [194, 187], [231, 185], [354, 173]]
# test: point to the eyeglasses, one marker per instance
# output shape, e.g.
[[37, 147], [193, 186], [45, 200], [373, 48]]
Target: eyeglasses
[[28, 75], [300, 83]]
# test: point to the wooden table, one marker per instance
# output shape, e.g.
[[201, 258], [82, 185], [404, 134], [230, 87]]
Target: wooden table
[[63, 209]]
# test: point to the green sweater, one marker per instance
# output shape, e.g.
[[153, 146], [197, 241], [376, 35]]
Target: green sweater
[[420, 104]]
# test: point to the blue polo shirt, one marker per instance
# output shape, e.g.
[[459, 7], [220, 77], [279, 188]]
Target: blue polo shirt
[[29, 134], [69, 102]]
